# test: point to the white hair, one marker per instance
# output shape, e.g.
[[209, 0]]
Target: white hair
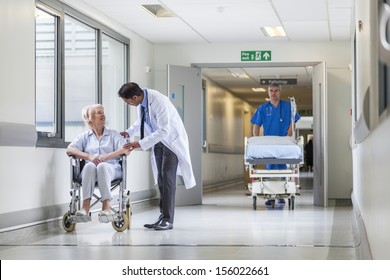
[[88, 111]]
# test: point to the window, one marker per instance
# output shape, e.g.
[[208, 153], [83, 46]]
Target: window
[[78, 62], [45, 71], [80, 74], [114, 56]]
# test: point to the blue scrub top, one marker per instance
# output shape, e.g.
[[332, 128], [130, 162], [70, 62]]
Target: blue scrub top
[[275, 122]]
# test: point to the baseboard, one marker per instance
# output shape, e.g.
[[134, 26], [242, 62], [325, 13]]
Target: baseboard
[[363, 249]]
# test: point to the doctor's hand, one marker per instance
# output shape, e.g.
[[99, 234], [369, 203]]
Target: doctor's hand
[[132, 145], [124, 134]]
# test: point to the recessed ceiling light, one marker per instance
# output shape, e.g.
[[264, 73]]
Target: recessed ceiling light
[[157, 11], [276, 31], [258, 89]]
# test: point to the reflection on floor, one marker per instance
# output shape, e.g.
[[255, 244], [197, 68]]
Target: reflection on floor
[[225, 226]]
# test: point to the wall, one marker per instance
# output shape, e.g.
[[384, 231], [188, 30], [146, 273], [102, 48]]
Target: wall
[[223, 159], [339, 120], [370, 157], [34, 182]]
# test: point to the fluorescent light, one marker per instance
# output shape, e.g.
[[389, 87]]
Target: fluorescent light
[[258, 89], [237, 74], [276, 31]]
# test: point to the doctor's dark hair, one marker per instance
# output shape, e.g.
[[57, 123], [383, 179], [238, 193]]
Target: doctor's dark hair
[[128, 90]]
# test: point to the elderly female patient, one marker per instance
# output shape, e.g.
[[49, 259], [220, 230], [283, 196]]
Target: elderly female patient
[[101, 148]]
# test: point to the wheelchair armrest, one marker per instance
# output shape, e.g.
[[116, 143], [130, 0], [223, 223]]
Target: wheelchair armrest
[[76, 166]]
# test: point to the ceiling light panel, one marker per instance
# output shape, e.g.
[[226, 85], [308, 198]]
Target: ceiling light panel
[[157, 10], [301, 10]]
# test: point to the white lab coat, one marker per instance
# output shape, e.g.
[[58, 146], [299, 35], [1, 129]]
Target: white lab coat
[[169, 130]]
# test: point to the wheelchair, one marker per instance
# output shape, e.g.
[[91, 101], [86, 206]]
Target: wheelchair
[[121, 219]]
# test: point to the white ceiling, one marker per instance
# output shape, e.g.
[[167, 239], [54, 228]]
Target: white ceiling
[[232, 21]]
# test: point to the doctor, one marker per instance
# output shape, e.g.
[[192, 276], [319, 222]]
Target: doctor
[[160, 128]]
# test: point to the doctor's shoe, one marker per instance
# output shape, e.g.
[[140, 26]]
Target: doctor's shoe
[[268, 202], [163, 225], [155, 223]]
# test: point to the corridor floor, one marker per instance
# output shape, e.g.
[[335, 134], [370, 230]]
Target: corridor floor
[[225, 226]]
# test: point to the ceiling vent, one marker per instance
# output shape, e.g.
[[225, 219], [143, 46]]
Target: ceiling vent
[[158, 11]]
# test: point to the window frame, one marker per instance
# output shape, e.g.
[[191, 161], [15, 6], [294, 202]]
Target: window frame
[[59, 10]]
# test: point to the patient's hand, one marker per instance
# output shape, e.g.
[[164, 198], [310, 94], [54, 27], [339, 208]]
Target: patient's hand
[[95, 160], [125, 151]]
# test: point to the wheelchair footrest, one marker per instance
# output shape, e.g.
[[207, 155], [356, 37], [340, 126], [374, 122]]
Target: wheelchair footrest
[[80, 218], [107, 218]]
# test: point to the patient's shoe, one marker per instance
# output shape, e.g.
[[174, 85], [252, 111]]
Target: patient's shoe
[[81, 212], [105, 216], [81, 216]]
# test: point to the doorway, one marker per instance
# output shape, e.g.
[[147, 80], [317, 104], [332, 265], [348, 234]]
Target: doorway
[[316, 91]]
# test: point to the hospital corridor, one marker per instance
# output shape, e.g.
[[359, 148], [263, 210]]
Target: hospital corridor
[[205, 129]]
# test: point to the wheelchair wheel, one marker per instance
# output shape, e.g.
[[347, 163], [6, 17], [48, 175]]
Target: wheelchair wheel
[[122, 224], [66, 224]]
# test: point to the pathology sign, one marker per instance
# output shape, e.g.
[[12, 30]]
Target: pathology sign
[[256, 56], [282, 82]]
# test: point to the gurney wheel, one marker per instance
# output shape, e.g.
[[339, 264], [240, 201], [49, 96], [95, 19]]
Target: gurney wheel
[[122, 224], [254, 202], [66, 224]]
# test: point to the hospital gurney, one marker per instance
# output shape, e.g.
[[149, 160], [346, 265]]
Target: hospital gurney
[[273, 184]]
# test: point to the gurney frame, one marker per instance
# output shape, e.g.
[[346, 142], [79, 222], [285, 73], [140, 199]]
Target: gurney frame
[[273, 184]]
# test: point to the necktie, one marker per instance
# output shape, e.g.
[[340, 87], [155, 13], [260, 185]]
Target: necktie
[[142, 121]]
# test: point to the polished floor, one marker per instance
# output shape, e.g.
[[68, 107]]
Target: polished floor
[[224, 227]]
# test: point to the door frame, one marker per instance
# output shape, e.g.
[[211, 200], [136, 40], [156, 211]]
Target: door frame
[[320, 188]]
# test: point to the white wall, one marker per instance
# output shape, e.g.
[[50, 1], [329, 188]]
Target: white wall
[[371, 190], [339, 127], [225, 132], [34, 182]]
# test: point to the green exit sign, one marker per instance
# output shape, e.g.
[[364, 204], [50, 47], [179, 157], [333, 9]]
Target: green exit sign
[[255, 55]]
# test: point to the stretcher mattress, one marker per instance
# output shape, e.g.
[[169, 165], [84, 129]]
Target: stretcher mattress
[[272, 149]]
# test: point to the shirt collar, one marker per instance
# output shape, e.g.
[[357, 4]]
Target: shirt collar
[[105, 131]]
